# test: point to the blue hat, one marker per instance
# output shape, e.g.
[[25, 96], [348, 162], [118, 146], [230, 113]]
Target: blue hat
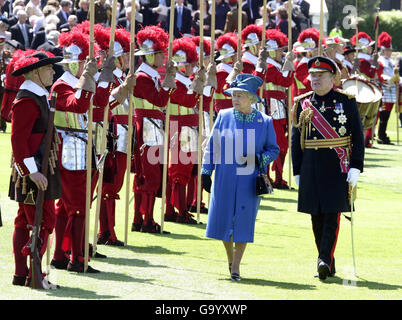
[[245, 82]]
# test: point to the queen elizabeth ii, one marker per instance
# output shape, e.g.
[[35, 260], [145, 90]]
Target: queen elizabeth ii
[[242, 143]]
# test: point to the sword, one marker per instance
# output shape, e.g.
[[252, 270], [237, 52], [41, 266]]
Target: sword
[[352, 195]]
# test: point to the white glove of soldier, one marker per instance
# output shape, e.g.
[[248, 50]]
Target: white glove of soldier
[[353, 176], [297, 179]]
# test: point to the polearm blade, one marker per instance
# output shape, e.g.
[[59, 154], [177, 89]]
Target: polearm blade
[[130, 124], [200, 114], [90, 138], [167, 120], [104, 132], [290, 47]]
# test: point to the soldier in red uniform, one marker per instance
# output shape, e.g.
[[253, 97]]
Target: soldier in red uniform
[[278, 77], [150, 99], [227, 47], [75, 89], [115, 163], [207, 97], [308, 40], [389, 78], [12, 84], [29, 124], [183, 130], [251, 37], [368, 66]]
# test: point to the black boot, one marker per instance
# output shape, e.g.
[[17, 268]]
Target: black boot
[[382, 126]]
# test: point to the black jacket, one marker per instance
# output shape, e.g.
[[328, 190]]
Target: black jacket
[[16, 34], [323, 187], [186, 22]]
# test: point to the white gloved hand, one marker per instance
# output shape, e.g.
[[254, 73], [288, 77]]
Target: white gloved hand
[[353, 176], [297, 179]]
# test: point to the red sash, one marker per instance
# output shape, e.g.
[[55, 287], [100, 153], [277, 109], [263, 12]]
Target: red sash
[[327, 132]]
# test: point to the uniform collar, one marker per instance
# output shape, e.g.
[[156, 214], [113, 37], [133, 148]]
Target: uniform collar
[[68, 78], [326, 97], [34, 88], [149, 71]]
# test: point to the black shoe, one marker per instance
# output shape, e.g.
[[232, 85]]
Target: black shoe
[[194, 209], [323, 270], [116, 243], [152, 227], [97, 254], [79, 267], [235, 276], [137, 226], [60, 264], [186, 218], [170, 217], [19, 280], [103, 238]]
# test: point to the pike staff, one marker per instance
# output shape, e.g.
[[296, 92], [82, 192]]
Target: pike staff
[[130, 123], [90, 141], [103, 151], [200, 111], [290, 48], [167, 119]]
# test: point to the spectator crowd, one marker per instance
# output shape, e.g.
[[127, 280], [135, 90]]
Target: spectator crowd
[[35, 23]]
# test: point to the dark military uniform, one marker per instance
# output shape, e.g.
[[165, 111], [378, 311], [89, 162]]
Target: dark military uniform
[[323, 189]]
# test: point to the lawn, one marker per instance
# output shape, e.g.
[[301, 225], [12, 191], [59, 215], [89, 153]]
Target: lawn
[[280, 264]]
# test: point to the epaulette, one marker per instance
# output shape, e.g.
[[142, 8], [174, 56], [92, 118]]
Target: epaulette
[[304, 95], [349, 95], [296, 101]]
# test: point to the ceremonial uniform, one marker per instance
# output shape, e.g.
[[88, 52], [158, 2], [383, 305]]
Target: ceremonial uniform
[[29, 124], [276, 82], [206, 102], [116, 159], [227, 47], [71, 123], [308, 40], [389, 80], [327, 143], [150, 99], [251, 38]]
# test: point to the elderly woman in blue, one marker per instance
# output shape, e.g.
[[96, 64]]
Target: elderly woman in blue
[[242, 142]]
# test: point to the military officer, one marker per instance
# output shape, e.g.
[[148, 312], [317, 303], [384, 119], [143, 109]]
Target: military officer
[[327, 154], [29, 123]]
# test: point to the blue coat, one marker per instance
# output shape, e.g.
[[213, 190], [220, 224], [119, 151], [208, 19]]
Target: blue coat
[[234, 202]]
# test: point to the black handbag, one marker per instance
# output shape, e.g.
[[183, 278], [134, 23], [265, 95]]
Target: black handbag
[[263, 185]]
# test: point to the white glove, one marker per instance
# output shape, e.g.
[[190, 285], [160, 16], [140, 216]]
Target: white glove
[[353, 176], [297, 179]]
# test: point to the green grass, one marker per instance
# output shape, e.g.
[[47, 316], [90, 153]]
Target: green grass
[[280, 264]]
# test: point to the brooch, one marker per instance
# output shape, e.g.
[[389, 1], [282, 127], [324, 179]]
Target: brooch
[[322, 108], [342, 131], [342, 119]]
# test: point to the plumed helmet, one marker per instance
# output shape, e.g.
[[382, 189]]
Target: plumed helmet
[[152, 39], [275, 39], [363, 40], [385, 41], [206, 45], [308, 40], [184, 51], [251, 35], [75, 46], [227, 45]]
